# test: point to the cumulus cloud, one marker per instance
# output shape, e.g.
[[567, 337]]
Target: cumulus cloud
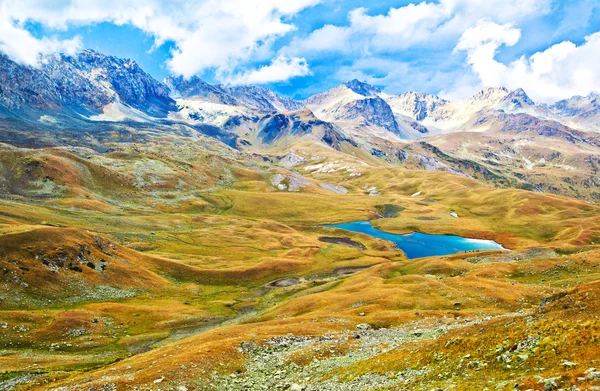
[[397, 76], [228, 36], [411, 25], [329, 37], [561, 71], [434, 26], [498, 10], [280, 69], [211, 34], [23, 47]]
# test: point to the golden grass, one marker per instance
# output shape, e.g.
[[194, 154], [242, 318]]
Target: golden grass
[[207, 256], [565, 330]]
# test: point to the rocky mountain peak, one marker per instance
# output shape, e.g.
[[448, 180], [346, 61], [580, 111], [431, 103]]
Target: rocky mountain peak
[[182, 88], [262, 98], [417, 105], [490, 94], [372, 111], [594, 96], [586, 108], [362, 88], [517, 99]]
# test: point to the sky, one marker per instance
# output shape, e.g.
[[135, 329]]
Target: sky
[[451, 48]]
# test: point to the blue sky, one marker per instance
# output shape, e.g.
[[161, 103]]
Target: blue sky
[[299, 47]]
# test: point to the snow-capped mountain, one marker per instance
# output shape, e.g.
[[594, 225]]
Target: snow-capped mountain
[[96, 101], [442, 115], [181, 88], [416, 105], [252, 97], [87, 84], [582, 112], [515, 101], [355, 106], [262, 98], [362, 88], [92, 86]]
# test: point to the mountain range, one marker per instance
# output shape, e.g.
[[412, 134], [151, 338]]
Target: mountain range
[[496, 135], [181, 235]]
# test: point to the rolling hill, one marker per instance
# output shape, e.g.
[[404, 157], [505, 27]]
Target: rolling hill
[[172, 235]]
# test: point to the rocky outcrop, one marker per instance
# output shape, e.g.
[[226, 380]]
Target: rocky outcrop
[[372, 111]]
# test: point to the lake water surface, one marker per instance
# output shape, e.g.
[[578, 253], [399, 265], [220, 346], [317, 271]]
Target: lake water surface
[[417, 245]]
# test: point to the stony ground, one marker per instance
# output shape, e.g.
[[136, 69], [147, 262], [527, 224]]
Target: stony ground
[[274, 365]]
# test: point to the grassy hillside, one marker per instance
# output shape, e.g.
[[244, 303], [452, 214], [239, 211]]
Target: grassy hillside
[[180, 266]]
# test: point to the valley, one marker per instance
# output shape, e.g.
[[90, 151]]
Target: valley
[[186, 236]]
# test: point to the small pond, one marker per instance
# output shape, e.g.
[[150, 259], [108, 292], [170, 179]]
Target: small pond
[[417, 245]]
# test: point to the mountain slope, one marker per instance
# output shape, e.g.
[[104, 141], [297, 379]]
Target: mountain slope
[[194, 250], [579, 111], [84, 84], [96, 101], [252, 97], [357, 108]]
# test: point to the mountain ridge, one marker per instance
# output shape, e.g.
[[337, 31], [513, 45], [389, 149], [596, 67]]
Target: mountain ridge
[[88, 82], [498, 136]]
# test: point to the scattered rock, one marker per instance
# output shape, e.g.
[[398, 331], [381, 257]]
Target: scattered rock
[[593, 375], [550, 384], [277, 179], [334, 188], [292, 159], [285, 282]]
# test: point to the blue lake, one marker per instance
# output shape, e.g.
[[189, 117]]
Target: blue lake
[[417, 245]]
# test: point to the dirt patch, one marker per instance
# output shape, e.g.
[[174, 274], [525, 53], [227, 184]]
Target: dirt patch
[[285, 282], [427, 218], [347, 271], [343, 241]]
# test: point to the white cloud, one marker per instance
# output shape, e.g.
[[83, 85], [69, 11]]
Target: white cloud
[[411, 25], [481, 43], [280, 69], [498, 10], [23, 47], [561, 71], [210, 34], [329, 37], [486, 33], [397, 76], [401, 27]]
